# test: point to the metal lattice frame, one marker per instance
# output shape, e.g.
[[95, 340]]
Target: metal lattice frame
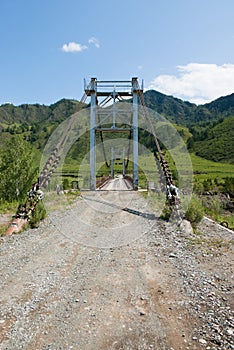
[[112, 91]]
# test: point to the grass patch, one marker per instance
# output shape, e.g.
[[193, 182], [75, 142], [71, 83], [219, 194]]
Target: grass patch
[[192, 241], [203, 168], [54, 202], [8, 207], [3, 229], [209, 245], [226, 217]]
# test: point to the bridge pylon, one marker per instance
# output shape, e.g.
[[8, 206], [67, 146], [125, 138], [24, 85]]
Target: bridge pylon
[[107, 93]]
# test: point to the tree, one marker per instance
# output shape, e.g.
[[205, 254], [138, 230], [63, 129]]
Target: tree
[[17, 170], [190, 143]]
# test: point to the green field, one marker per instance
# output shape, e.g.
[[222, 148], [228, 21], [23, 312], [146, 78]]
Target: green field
[[203, 168]]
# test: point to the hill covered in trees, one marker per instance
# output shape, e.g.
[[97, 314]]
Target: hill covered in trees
[[28, 114], [210, 125], [215, 143], [186, 113], [36, 122]]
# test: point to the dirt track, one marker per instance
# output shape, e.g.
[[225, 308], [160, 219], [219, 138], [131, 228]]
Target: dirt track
[[122, 280]]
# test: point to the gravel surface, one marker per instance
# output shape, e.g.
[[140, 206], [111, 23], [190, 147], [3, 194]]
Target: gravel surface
[[164, 288]]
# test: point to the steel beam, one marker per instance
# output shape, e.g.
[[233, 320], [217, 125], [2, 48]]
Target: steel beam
[[93, 136], [135, 132]]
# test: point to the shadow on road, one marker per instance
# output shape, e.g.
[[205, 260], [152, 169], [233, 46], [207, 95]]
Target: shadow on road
[[139, 213], [148, 216]]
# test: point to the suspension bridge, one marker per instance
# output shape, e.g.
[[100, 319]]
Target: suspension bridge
[[106, 117]]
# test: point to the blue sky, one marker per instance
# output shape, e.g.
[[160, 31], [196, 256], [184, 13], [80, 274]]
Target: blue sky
[[183, 48]]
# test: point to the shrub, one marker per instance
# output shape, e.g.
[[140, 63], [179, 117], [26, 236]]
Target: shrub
[[38, 214], [195, 210], [228, 186], [207, 185], [198, 187], [166, 213], [214, 205], [66, 184]]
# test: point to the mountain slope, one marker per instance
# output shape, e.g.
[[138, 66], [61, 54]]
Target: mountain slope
[[223, 105], [29, 114], [212, 136], [174, 109], [219, 142], [211, 124], [186, 113]]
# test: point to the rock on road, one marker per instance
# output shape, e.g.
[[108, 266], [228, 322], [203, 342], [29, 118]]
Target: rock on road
[[121, 280]]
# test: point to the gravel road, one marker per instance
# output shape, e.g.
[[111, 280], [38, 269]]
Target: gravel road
[[106, 274]]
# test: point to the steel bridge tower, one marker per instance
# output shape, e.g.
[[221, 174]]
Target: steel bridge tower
[[112, 91]]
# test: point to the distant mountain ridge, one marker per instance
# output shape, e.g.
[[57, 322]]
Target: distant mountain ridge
[[224, 105], [36, 113], [211, 124], [186, 113], [175, 110]]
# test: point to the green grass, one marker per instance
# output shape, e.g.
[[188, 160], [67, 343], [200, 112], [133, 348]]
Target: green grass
[[3, 229], [220, 217], [6, 207], [203, 168]]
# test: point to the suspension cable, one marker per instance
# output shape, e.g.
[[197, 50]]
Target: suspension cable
[[53, 161], [35, 194], [164, 165], [102, 144]]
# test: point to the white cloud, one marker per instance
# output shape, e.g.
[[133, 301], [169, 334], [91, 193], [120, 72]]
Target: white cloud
[[196, 82], [94, 41], [73, 47]]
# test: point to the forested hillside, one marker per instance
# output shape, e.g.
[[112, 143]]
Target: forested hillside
[[216, 143], [35, 122], [211, 124], [186, 113], [27, 114]]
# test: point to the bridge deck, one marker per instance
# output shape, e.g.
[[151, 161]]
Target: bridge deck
[[117, 184]]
